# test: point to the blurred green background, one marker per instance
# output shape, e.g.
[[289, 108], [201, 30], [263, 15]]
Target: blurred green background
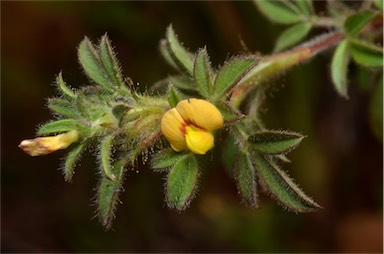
[[339, 164]]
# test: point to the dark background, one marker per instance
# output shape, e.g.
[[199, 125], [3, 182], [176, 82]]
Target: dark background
[[339, 164]]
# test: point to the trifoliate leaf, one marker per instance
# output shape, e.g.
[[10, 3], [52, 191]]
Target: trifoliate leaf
[[182, 182], [339, 67], [282, 186], [275, 142], [90, 61]]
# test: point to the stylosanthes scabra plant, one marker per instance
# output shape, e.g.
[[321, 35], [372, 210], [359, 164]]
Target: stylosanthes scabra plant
[[201, 102]]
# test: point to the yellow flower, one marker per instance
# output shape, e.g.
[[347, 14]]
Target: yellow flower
[[190, 124], [46, 145]]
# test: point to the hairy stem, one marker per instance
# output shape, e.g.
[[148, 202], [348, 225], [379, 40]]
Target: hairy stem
[[273, 65]]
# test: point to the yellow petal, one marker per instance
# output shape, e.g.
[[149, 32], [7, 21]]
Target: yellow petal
[[46, 145], [200, 113], [172, 126], [198, 141]]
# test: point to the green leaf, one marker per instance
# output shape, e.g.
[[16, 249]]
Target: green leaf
[[108, 194], [106, 156], [165, 53], [366, 54], [275, 142], [72, 157], [62, 107], [58, 126], [356, 22], [120, 110], [292, 35], [182, 58], [110, 62], [173, 96], [181, 182], [339, 67], [81, 106], [202, 73], [245, 178], [230, 114], [166, 158], [91, 63], [63, 87], [278, 11], [282, 186], [182, 82], [305, 7], [231, 74]]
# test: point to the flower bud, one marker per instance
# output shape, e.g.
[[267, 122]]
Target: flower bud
[[46, 145]]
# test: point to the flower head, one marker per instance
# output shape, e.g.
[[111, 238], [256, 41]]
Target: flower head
[[190, 124], [46, 145]]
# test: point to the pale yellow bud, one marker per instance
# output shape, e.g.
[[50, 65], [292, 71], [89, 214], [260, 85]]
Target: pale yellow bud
[[46, 145]]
